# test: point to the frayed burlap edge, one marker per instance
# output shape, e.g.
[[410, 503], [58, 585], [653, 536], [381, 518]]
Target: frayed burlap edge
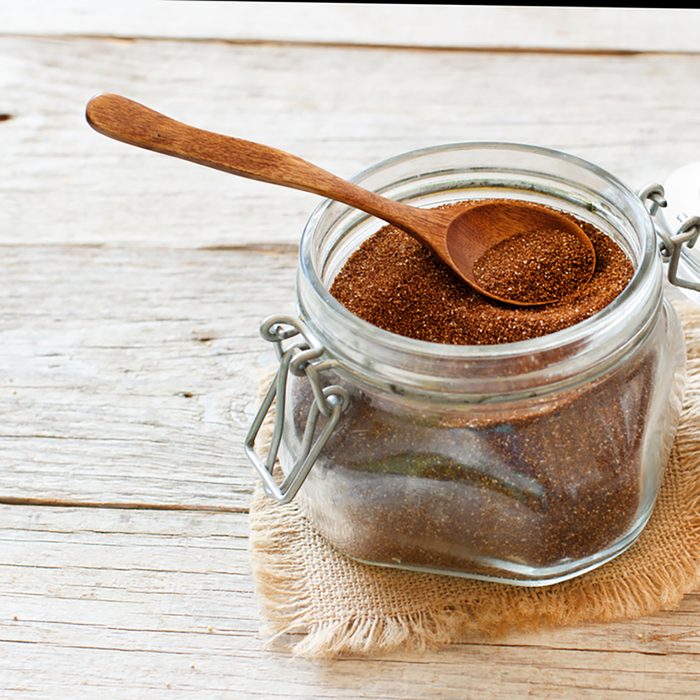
[[342, 607]]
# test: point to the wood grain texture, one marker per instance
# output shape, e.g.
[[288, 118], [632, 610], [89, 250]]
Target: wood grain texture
[[557, 28], [131, 288], [66, 184], [129, 376], [132, 602]]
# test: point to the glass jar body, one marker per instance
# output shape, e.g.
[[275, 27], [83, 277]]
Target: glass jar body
[[526, 463]]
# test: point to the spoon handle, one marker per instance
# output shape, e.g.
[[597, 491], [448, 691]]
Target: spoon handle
[[125, 120]]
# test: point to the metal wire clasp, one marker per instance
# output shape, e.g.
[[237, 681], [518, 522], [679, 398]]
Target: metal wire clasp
[[671, 245], [303, 357]]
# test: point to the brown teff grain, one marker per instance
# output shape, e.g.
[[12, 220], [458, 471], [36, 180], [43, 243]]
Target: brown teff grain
[[395, 283], [543, 265], [535, 484]]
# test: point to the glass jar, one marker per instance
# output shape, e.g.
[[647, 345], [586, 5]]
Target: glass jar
[[527, 462]]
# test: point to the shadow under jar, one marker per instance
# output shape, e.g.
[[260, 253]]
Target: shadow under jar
[[527, 462]]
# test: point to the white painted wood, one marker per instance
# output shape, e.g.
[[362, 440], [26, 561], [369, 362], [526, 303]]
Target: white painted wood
[[129, 376], [136, 603], [470, 26], [131, 288], [342, 108]]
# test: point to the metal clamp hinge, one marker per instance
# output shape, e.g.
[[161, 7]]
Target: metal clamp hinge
[[671, 245], [301, 358]]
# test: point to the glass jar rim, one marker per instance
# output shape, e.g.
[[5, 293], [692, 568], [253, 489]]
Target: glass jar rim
[[572, 334]]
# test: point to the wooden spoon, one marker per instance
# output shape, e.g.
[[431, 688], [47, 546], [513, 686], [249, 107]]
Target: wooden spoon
[[458, 238]]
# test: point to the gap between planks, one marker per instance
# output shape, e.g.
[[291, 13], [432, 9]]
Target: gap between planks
[[53, 503], [271, 248], [322, 45]]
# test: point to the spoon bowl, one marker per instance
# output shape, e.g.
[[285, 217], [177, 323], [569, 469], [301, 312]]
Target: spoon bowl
[[484, 225], [458, 238]]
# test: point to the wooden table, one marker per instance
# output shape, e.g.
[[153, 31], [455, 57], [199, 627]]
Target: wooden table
[[132, 286]]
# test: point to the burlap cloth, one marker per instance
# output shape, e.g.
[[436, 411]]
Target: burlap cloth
[[342, 607]]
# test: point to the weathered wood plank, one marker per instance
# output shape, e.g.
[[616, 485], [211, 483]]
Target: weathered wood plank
[[344, 108], [563, 28], [135, 602], [129, 376]]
